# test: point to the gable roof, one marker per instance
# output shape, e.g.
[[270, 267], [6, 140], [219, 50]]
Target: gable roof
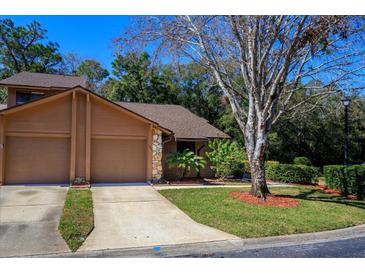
[[54, 96], [185, 124], [44, 80]]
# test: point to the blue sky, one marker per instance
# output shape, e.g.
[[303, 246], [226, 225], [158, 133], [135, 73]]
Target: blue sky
[[88, 36]]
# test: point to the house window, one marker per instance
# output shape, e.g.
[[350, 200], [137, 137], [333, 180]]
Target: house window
[[26, 96], [181, 146]]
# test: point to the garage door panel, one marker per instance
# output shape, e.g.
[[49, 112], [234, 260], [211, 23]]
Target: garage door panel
[[118, 160], [37, 160]]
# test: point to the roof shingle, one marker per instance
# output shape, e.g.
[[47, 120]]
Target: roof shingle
[[44, 80], [185, 124]]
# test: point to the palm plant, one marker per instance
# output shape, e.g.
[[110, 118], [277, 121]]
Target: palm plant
[[185, 161]]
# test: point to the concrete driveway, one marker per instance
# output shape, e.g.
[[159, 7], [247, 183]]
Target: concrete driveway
[[138, 216], [29, 217]]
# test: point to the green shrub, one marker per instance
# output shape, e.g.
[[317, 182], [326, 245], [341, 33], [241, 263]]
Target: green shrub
[[226, 158], [302, 161], [238, 169], [185, 161], [247, 168], [292, 173], [335, 177], [347, 180], [271, 163]]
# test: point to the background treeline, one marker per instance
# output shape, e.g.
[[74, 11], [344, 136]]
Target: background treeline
[[315, 133]]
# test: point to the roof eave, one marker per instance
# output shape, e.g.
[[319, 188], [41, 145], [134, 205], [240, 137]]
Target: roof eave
[[201, 138], [33, 86]]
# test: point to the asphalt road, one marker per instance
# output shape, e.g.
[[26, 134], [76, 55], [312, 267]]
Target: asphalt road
[[352, 248]]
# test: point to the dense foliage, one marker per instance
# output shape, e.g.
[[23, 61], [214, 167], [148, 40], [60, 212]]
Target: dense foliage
[[93, 72], [185, 161], [292, 173], [348, 180], [22, 48], [302, 161], [319, 134], [226, 158], [135, 78]]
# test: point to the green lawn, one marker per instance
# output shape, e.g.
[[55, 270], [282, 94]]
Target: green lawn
[[317, 211], [77, 220]]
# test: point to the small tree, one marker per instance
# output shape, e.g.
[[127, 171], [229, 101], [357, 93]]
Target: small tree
[[185, 161], [225, 156]]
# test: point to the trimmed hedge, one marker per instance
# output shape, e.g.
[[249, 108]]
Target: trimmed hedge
[[302, 161], [247, 169], [348, 180], [292, 173]]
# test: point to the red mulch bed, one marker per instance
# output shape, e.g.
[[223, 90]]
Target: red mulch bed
[[271, 200], [335, 192]]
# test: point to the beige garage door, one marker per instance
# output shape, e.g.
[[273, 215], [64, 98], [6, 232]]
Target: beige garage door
[[37, 160], [118, 161]]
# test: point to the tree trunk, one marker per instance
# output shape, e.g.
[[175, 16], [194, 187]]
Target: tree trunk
[[258, 182]]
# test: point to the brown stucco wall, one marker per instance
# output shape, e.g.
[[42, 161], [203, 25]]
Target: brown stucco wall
[[169, 147], [52, 117], [113, 121]]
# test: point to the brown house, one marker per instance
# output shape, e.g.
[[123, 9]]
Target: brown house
[[54, 129]]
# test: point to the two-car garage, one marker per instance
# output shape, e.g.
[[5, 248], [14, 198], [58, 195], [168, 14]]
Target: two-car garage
[[74, 134], [47, 160]]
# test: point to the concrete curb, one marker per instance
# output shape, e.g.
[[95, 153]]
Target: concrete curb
[[206, 248]]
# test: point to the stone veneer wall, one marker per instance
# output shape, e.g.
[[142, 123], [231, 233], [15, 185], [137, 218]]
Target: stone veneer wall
[[156, 155]]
